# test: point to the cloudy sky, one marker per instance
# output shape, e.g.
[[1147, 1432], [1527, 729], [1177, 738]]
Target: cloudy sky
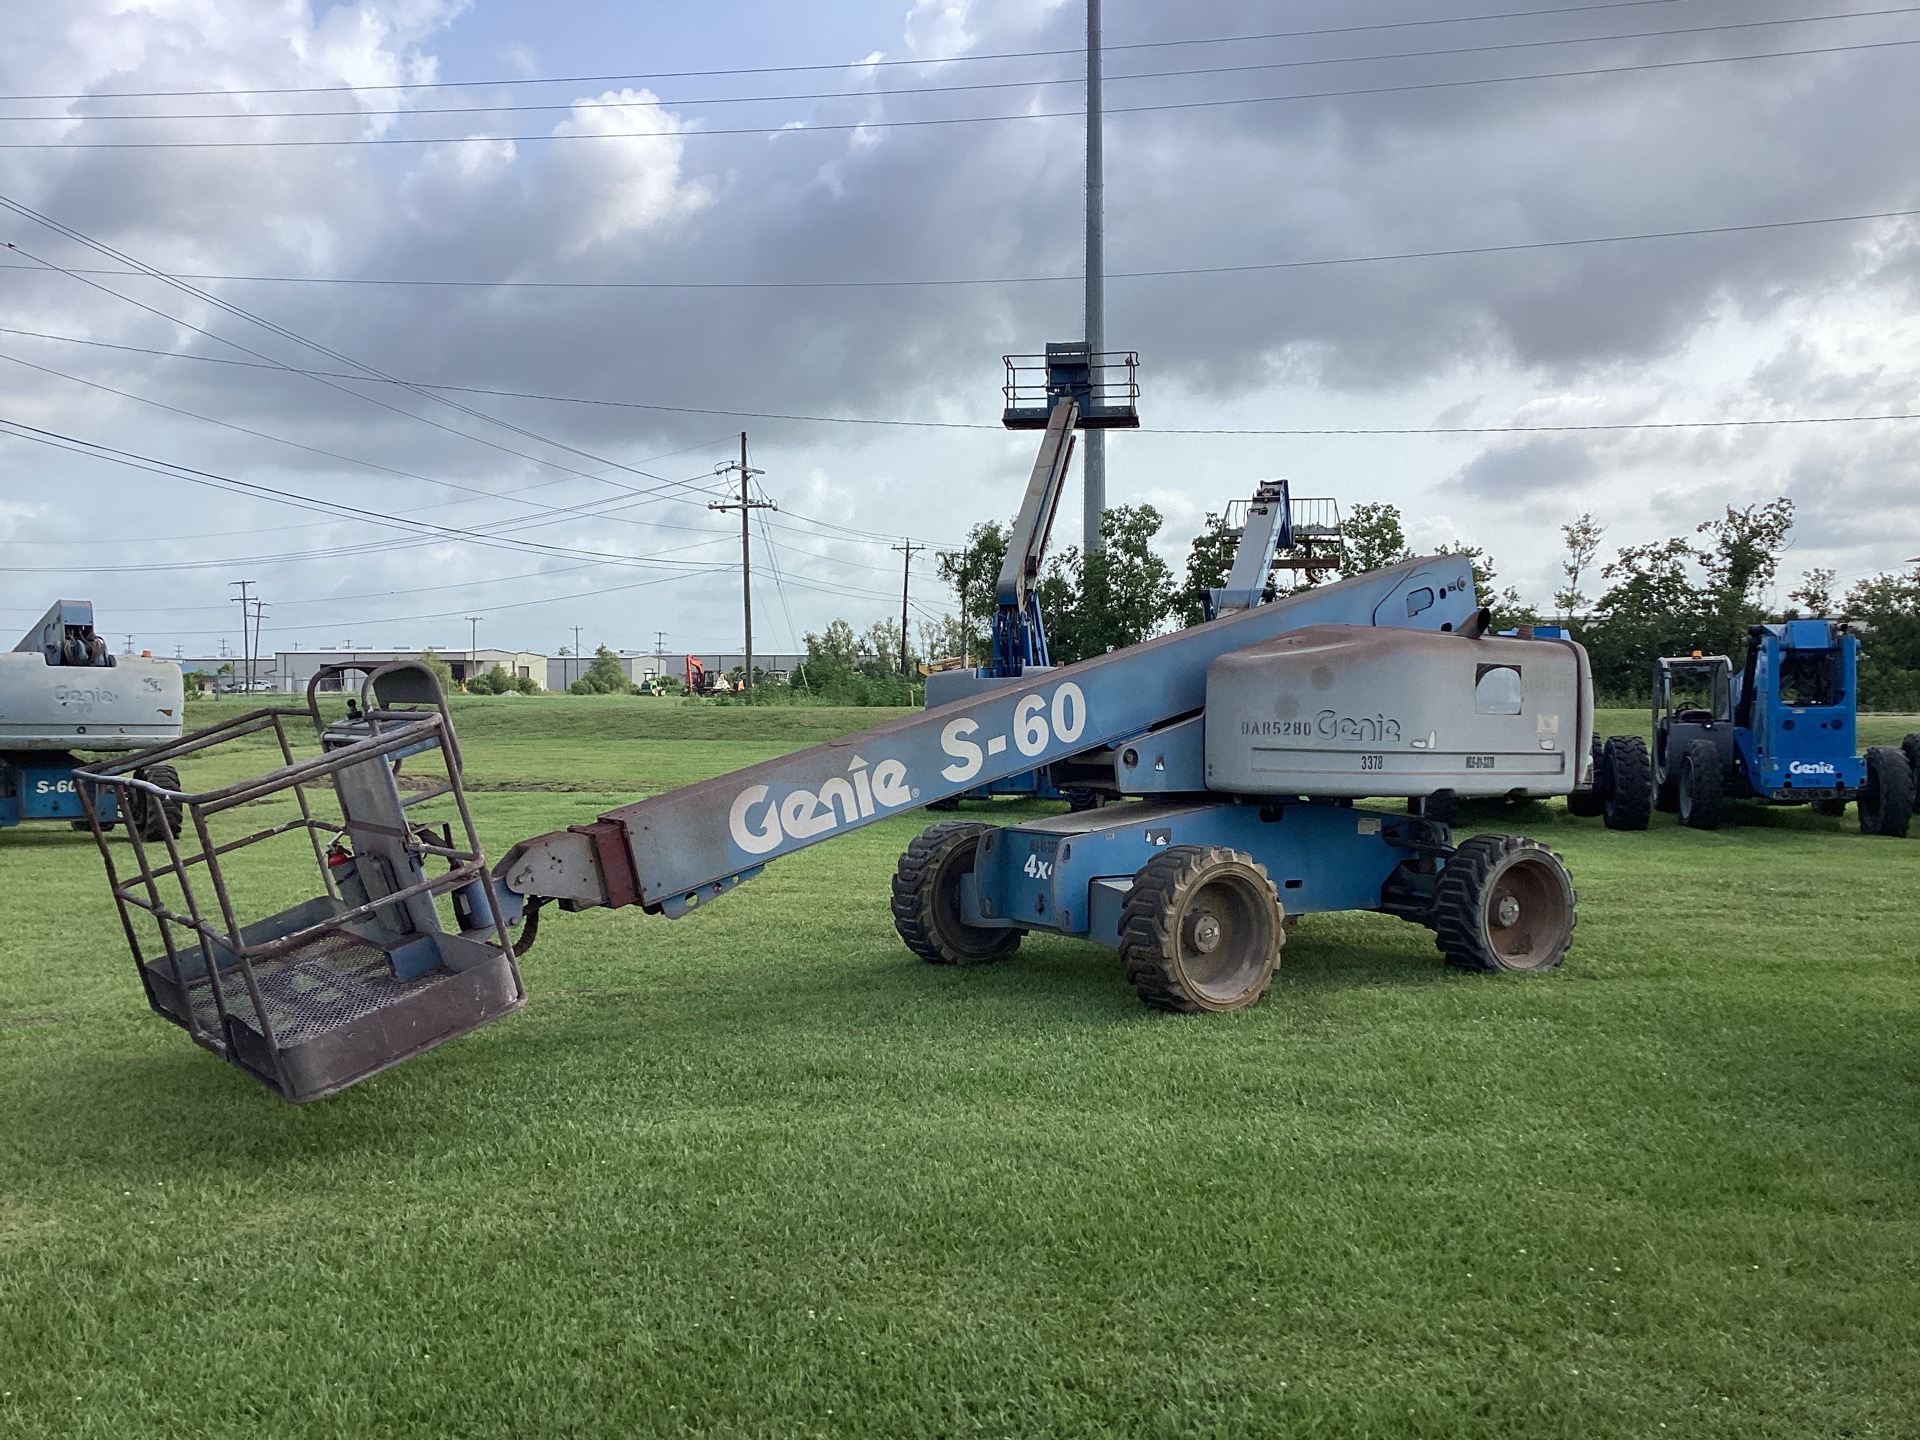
[[659, 224]]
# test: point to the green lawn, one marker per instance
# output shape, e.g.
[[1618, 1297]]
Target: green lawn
[[758, 1172]]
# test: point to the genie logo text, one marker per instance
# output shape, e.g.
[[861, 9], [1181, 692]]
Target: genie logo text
[[1811, 767], [759, 823]]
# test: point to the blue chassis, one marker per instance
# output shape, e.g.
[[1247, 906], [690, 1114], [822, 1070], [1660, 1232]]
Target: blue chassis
[[39, 785], [1070, 873]]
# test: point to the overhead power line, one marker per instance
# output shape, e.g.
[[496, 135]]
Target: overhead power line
[[914, 124], [517, 80], [370, 373], [1161, 273], [688, 102], [213, 480]]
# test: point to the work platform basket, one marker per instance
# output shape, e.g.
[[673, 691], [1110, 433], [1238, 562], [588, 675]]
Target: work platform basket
[[1106, 387], [404, 947]]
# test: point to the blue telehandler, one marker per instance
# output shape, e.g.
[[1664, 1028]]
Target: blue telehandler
[[1780, 729]]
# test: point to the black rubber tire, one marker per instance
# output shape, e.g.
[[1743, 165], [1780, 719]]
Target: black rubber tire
[[926, 899], [944, 806], [1442, 806], [1201, 930], [1504, 903], [156, 819], [1080, 801], [1910, 747], [1589, 804], [1832, 809], [1886, 798], [1666, 793], [1702, 786], [1629, 804]]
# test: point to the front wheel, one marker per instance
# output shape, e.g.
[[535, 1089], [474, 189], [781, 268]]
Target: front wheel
[[156, 817], [1702, 786], [1629, 769], [1504, 903], [1201, 930], [926, 899], [1886, 799]]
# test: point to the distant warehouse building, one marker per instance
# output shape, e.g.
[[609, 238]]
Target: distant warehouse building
[[294, 668]]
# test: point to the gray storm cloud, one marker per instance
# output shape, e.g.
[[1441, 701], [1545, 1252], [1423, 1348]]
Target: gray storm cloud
[[1376, 174]]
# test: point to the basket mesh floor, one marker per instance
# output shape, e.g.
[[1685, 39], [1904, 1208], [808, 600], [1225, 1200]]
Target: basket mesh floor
[[318, 987]]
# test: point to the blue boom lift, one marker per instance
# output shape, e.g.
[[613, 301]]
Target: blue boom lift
[[1068, 389], [61, 690], [1780, 730], [1243, 744]]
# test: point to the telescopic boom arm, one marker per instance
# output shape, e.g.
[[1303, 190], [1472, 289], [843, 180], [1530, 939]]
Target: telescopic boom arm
[[673, 852]]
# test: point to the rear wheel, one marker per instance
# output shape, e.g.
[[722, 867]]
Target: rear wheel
[[1830, 808], [926, 899], [1504, 902], [1886, 799], [1201, 930], [1702, 786], [1910, 747], [156, 817], [1629, 797], [1589, 803], [1666, 791]]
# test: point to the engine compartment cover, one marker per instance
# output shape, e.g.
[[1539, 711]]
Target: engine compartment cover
[[1360, 710]]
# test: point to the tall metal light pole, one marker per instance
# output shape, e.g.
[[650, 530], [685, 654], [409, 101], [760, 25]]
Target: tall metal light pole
[[473, 644], [1093, 453]]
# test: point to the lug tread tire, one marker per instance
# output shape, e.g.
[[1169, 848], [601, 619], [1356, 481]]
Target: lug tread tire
[[919, 913], [1629, 802], [1591, 804], [1150, 916], [1460, 899], [1910, 747], [149, 820], [1886, 800], [1702, 786]]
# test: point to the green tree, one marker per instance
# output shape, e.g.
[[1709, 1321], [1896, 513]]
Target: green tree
[[1652, 607], [603, 677], [837, 648], [942, 639], [1887, 609], [1508, 609], [1372, 538], [1209, 562], [880, 651], [1814, 594], [1582, 536], [1745, 552], [1123, 595], [442, 671], [973, 571]]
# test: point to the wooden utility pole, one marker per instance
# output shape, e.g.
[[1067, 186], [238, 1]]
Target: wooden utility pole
[[908, 549], [746, 504], [245, 598]]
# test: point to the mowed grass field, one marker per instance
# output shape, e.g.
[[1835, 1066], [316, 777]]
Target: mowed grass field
[[759, 1173]]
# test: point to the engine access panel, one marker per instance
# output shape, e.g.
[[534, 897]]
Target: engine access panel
[[1356, 710]]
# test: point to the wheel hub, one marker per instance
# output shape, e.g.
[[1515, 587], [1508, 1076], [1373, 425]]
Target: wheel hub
[[1506, 911], [1203, 933]]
